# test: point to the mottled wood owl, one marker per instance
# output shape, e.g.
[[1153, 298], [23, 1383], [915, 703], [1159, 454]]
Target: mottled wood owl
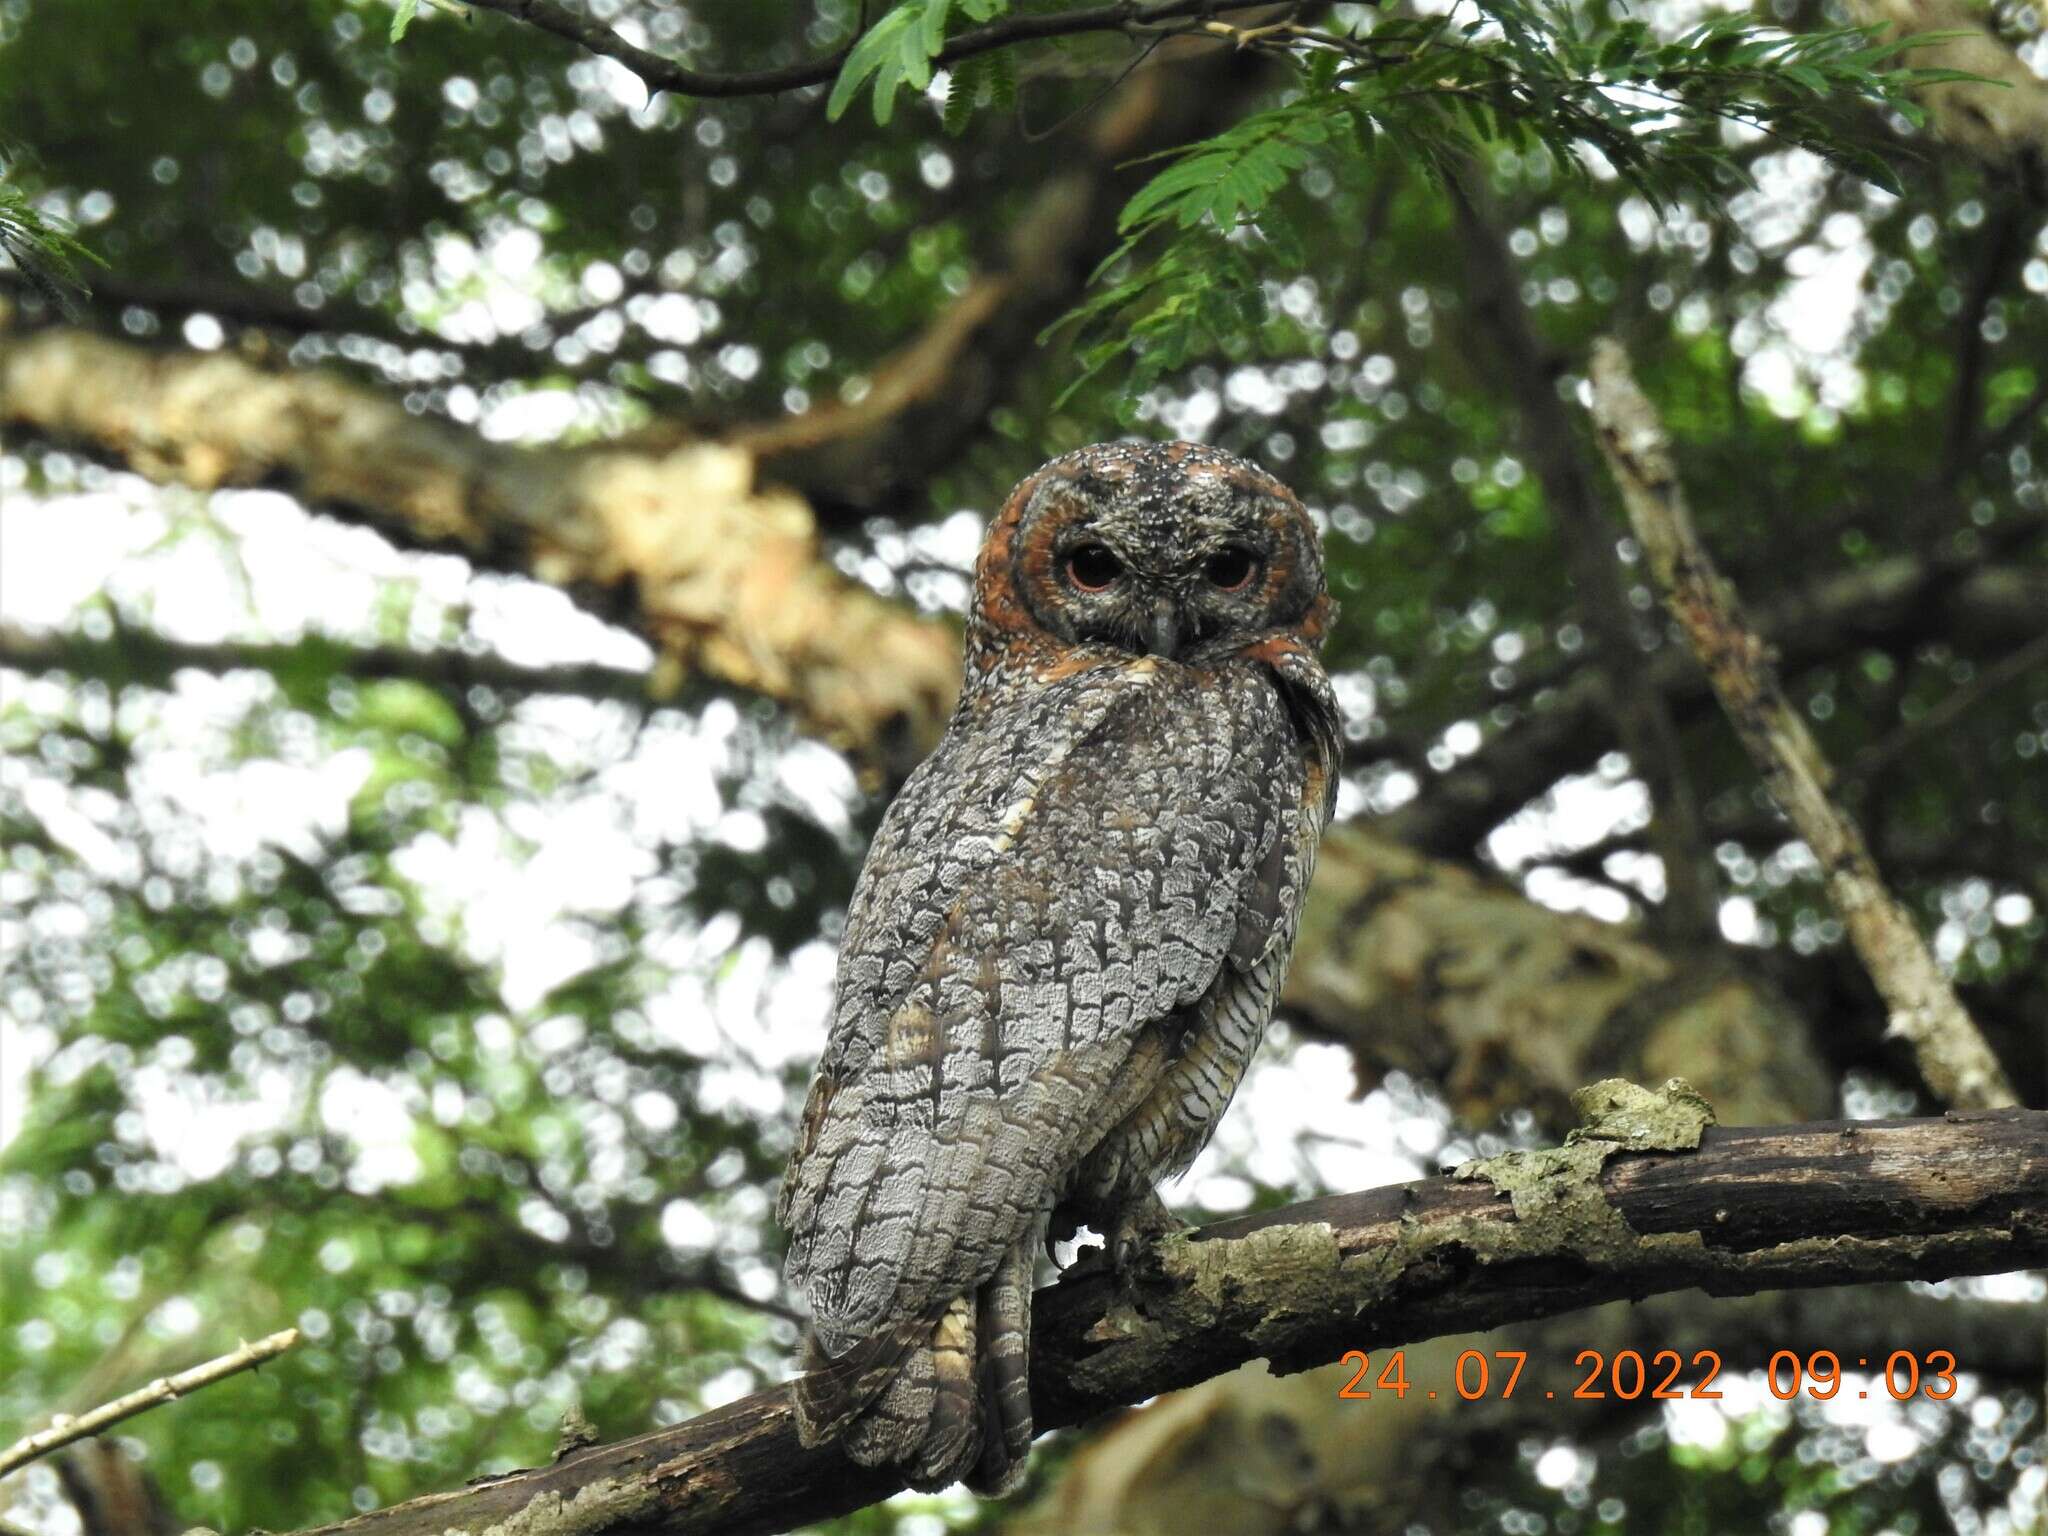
[[1066, 940]]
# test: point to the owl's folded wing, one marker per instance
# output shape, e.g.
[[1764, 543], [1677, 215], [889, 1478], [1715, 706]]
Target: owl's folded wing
[[1020, 951]]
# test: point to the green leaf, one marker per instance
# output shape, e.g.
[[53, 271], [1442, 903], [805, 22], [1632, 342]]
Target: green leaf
[[879, 54], [401, 18]]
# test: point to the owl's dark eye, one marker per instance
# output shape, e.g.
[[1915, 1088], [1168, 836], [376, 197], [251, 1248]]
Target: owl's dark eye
[[1093, 568], [1231, 569]]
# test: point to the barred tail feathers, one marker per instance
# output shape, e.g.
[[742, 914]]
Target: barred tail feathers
[[946, 1396]]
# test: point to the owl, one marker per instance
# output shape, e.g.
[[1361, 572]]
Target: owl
[[1065, 942]]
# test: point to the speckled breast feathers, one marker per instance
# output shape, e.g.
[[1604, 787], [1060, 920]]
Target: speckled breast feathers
[[1067, 937]]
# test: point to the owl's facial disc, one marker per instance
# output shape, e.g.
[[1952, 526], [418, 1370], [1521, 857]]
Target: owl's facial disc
[[1158, 549], [1156, 582]]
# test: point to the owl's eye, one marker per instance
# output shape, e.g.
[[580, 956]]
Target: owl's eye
[[1231, 569], [1093, 568]]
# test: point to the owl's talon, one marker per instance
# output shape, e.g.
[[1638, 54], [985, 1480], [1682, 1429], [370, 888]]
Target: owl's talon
[[1088, 1258], [1139, 1230]]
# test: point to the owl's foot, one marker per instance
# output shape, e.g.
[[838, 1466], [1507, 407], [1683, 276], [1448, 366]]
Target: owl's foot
[[1137, 1232], [1134, 1232]]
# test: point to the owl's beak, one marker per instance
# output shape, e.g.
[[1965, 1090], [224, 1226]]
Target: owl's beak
[[1165, 627]]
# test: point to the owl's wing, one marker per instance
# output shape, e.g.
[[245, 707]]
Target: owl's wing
[[1042, 902]]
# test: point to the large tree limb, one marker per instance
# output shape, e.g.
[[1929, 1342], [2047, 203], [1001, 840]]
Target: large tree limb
[[728, 580], [1423, 966], [1643, 1201], [2003, 120], [1953, 1056], [725, 579], [719, 565]]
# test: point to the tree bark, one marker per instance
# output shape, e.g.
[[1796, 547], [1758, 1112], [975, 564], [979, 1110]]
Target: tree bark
[[1646, 1198]]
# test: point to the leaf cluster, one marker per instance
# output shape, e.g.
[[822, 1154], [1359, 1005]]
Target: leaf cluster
[[41, 249], [1664, 115], [899, 51]]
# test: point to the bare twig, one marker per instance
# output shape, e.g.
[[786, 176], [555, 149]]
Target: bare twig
[[1641, 713], [1953, 706], [162, 1390], [664, 74], [1923, 1006]]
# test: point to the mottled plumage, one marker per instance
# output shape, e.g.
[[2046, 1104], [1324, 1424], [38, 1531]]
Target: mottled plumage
[[1066, 939]]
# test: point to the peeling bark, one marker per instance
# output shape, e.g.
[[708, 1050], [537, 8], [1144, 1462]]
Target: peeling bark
[[724, 579], [1425, 967], [1645, 1198]]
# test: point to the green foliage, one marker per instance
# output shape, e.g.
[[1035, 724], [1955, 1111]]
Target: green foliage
[[898, 50], [47, 254], [1438, 95], [404, 12], [981, 83]]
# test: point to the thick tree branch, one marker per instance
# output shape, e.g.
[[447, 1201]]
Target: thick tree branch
[[1423, 966], [726, 580], [1643, 1201], [2004, 120], [696, 540], [1952, 1054]]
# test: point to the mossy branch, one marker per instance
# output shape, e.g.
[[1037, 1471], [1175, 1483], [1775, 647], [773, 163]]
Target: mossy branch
[[1646, 1197]]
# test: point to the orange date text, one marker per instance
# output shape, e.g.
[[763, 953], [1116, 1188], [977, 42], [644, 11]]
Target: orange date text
[[1663, 1375]]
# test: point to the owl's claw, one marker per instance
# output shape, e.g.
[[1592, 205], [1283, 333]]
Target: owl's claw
[[1139, 1229]]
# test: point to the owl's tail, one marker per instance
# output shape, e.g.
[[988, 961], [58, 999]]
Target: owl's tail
[[947, 1397]]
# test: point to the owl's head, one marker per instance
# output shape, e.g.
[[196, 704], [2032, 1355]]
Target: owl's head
[[1150, 548]]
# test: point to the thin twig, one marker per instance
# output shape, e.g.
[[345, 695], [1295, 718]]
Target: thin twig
[[67, 1429], [663, 74], [1952, 707], [1641, 714], [1923, 1006]]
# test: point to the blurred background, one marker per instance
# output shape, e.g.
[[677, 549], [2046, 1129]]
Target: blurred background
[[476, 556]]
